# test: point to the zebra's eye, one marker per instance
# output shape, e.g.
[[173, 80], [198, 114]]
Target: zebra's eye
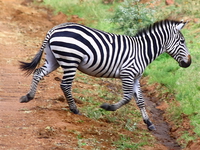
[[182, 41], [177, 44]]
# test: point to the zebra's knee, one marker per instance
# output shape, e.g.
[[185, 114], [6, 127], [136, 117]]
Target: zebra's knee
[[37, 71], [39, 74]]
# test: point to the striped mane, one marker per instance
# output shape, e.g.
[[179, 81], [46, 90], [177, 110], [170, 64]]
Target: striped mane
[[155, 25]]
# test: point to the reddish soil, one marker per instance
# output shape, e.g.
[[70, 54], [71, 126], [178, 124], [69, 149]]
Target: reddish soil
[[45, 122]]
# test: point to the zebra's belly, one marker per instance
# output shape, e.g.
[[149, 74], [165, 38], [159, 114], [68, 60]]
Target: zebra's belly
[[98, 69], [106, 73], [87, 71]]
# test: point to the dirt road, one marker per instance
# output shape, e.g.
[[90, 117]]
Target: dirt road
[[39, 124]]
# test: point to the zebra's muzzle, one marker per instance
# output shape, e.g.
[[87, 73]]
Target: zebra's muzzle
[[185, 63]]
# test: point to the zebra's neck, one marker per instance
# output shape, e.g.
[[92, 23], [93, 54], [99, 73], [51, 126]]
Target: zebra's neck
[[150, 45]]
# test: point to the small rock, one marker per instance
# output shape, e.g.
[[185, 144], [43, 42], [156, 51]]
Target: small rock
[[61, 98], [169, 2], [78, 101], [57, 79]]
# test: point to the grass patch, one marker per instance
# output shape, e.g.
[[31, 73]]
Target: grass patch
[[95, 12], [126, 118], [125, 142]]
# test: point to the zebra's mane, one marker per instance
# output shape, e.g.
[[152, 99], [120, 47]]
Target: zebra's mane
[[156, 25]]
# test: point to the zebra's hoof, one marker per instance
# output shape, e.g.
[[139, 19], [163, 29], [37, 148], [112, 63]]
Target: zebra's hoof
[[152, 127], [108, 107], [75, 111], [24, 99]]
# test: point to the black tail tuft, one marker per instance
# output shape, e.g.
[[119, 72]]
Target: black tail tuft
[[30, 67]]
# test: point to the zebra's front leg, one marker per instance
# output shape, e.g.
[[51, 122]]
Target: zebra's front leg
[[127, 84], [37, 76], [140, 103], [66, 88]]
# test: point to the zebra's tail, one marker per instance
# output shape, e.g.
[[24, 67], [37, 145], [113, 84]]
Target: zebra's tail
[[30, 67]]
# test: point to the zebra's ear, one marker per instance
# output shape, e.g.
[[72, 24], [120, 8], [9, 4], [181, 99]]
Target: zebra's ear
[[181, 25]]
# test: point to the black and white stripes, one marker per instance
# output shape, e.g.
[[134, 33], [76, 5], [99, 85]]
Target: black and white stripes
[[101, 54]]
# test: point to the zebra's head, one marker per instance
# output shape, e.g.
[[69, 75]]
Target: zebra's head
[[176, 46]]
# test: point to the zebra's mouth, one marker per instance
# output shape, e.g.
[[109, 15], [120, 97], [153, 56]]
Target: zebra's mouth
[[185, 63]]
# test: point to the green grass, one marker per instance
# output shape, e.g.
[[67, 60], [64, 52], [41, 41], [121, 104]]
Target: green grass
[[94, 12], [125, 143]]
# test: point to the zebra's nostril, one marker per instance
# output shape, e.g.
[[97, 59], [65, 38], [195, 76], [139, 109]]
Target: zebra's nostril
[[185, 63]]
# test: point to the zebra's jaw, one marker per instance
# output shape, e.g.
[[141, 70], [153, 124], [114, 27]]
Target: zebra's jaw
[[185, 63]]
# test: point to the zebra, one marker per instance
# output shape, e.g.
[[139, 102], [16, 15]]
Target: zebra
[[101, 54]]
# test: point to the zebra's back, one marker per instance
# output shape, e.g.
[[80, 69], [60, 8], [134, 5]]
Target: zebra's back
[[92, 51]]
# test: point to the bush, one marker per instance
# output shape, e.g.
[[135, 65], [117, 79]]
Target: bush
[[132, 16]]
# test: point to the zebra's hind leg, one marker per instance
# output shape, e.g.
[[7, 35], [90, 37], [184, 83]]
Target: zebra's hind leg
[[50, 65], [37, 76]]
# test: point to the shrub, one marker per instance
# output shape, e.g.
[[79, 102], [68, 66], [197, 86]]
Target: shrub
[[132, 16]]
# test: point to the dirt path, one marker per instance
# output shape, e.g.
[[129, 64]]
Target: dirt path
[[39, 124], [162, 132]]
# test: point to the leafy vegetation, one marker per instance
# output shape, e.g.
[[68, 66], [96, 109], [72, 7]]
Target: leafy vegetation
[[132, 16]]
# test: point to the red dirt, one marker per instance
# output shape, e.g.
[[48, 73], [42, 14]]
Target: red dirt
[[45, 122]]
